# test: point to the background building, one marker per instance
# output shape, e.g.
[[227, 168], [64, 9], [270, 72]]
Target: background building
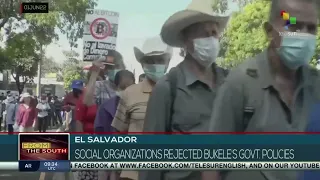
[[49, 84]]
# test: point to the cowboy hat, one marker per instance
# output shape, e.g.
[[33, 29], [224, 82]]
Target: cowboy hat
[[152, 47], [197, 11]]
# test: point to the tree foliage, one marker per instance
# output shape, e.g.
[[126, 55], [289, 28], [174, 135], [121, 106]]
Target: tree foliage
[[66, 15], [245, 36], [72, 69], [222, 6], [9, 9], [24, 42], [39, 30], [21, 51], [3, 60]]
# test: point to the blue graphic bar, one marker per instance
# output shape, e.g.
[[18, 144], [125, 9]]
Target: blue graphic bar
[[54, 166], [29, 166]]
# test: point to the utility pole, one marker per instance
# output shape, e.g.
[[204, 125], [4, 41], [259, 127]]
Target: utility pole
[[39, 72]]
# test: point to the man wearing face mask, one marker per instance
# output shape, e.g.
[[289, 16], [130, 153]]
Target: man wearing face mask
[[101, 82], [273, 91], [154, 58], [182, 101]]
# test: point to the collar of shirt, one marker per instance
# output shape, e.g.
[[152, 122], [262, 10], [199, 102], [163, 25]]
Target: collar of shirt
[[192, 78], [146, 86]]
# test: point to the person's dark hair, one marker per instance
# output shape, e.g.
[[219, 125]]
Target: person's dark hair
[[8, 92], [121, 74], [76, 92]]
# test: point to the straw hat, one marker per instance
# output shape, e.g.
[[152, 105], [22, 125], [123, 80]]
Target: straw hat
[[197, 11], [153, 47]]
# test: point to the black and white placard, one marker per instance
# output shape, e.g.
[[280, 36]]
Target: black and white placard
[[100, 33]]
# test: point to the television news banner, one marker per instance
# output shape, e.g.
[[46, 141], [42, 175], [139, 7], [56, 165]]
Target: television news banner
[[62, 152]]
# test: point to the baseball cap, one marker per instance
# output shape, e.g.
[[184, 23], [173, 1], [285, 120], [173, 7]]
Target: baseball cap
[[77, 84]]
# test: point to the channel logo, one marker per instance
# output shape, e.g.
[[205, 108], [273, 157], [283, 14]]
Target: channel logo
[[289, 20]]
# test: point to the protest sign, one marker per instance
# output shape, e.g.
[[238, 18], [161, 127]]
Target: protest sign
[[100, 33]]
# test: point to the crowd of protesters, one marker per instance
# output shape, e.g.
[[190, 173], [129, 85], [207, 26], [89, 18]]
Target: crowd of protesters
[[29, 113], [272, 92]]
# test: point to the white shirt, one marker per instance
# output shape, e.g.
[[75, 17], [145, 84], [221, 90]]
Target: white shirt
[[43, 109]]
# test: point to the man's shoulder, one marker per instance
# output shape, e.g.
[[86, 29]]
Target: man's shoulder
[[129, 92], [313, 71], [246, 70], [174, 75], [162, 87], [133, 88]]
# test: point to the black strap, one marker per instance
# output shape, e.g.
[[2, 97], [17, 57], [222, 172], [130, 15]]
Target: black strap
[[173, 80]]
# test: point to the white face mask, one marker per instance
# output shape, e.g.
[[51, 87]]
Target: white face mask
[[206, 50]]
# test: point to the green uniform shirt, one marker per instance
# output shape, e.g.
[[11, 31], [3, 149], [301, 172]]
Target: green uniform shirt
[[251, 87], [191, 113]]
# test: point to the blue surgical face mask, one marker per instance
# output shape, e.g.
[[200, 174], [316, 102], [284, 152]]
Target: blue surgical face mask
[[154, 71], [111, 74], [297, 49]]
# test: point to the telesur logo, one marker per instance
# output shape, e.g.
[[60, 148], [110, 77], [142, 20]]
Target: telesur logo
[[289, 21]]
